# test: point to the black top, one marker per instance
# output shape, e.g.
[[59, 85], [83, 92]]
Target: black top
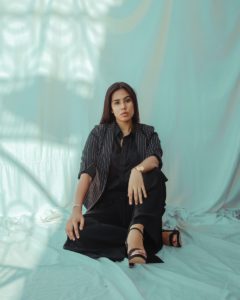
[[123, 159]]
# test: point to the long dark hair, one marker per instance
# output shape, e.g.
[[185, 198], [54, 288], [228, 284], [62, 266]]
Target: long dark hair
[[107, 116]]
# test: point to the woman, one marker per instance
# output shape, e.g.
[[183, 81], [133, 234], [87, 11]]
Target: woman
[[122, 187]]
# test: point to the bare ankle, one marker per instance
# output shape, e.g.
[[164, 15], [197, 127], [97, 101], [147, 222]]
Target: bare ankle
[[139, 226]]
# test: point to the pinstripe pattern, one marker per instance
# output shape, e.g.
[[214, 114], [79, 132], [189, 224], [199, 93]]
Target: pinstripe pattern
[[97, 154]]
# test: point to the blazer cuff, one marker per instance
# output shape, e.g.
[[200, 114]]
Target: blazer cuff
[[91, 171]]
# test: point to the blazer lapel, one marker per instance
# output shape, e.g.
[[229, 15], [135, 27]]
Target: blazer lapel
[[107, 147], [140, 141]]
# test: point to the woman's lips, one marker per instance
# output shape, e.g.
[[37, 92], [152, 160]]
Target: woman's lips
[[123, 114]]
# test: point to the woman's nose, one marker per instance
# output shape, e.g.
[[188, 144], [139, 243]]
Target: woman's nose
[[123, 105]]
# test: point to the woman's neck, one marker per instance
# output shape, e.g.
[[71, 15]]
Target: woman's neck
[[125, 127]]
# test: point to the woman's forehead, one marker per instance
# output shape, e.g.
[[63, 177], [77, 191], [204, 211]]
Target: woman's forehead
[[120, 94]]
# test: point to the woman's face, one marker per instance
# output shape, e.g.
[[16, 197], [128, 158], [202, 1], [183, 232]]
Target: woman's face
[[122, 106]]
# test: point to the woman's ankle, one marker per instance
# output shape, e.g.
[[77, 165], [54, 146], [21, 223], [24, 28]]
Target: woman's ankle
[[138, 225], [136, 238]]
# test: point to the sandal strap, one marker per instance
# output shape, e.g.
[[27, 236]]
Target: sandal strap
[[178, 238], [171, 237], [137, 255], [136, 229], [131, 255], [135, 249]]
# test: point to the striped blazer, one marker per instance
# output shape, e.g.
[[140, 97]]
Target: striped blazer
[[97, 154]]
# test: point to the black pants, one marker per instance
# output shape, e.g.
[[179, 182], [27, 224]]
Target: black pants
[[107, 223]]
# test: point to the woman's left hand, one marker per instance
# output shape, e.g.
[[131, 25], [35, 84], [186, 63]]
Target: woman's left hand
[[136, 187]]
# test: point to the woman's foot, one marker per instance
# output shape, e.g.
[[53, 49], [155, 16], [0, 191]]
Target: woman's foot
[[135, 247], [176, 239]]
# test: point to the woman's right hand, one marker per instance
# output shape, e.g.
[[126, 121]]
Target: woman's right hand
[[74, 223]]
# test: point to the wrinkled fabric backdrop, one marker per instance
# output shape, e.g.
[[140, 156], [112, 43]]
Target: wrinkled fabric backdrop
[[57, 58]]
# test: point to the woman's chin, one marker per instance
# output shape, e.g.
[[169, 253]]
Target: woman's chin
[[125, 119]]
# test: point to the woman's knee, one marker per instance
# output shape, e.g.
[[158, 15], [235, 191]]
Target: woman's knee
[[153, 179]]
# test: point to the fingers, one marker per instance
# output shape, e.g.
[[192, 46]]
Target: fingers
[[135, 192], [133, 195], [136, 189], [81, 223], [144, 191], [69, 230], [130, 195], [73, 226], [136, 195], [140, 200]]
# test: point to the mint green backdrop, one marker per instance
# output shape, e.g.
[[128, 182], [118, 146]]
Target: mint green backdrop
[[57, 58]]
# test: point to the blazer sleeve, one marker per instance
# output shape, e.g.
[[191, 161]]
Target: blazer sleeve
[[154, 147], [89, 155]]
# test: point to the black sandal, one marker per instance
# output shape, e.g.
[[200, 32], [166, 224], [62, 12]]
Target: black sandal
[[135, 252], [173, 232]]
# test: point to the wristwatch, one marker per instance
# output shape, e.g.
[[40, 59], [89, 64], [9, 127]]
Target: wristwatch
[[139, 168]]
